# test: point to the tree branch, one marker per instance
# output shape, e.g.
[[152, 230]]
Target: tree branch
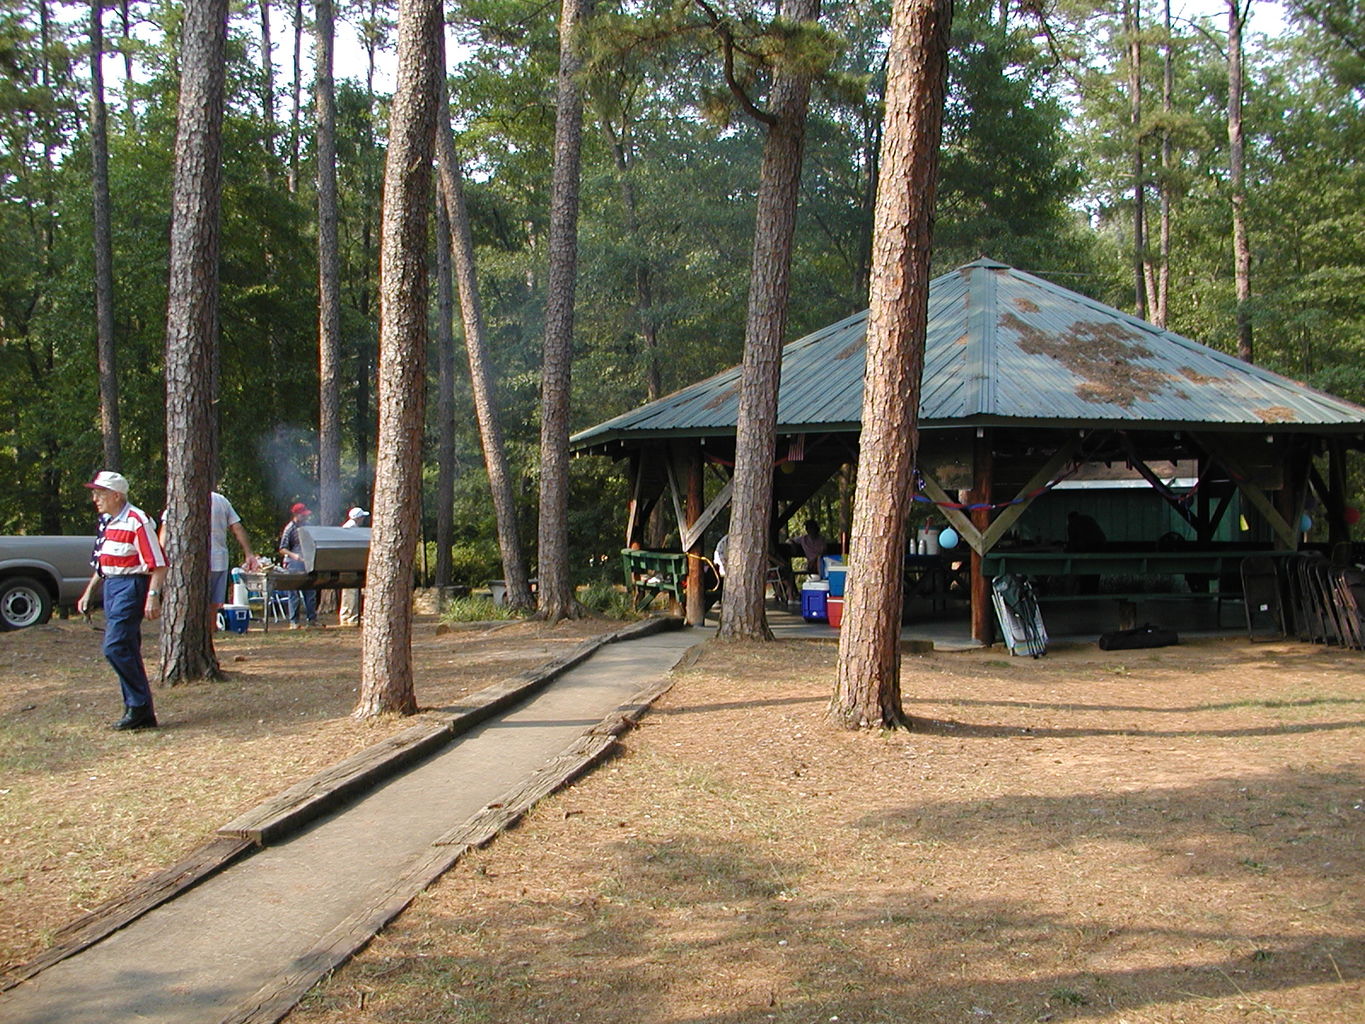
[[727, 42]]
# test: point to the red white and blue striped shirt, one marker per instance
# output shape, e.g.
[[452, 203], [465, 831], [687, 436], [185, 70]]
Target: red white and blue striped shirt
[[128, 546]]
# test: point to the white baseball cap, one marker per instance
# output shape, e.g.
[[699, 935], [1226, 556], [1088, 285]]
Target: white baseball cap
[[357, 513], [110, 481]]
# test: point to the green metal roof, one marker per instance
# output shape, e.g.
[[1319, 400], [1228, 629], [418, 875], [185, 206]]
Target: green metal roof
[[1007, 348]]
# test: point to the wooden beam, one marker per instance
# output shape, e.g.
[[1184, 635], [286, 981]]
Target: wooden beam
[[983, 472], [1011, 513], [1159, 485], [955, 516], [693, 533], [1286, 533]]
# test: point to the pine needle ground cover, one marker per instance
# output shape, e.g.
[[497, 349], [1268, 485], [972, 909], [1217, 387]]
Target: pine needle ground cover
[[85, 812], [1170, 835]]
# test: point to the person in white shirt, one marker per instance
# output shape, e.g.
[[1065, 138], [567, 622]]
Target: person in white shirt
[[349, 613]]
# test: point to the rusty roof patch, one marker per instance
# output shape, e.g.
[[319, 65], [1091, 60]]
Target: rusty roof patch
[[1101, 354], [722, 396], [1026, 305], [1277, 414], [852, 348], [1195, 377]]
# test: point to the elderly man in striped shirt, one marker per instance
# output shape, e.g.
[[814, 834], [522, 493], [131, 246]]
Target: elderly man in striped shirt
[[129, 559]]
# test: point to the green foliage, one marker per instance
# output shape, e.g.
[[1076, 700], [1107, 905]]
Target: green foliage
[[476, 609], [607, 599]]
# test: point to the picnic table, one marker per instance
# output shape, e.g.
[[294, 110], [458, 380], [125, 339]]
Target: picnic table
[[1203, 570]]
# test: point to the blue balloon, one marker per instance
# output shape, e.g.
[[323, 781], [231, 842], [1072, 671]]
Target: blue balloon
[[1305, 523], [947, 538]]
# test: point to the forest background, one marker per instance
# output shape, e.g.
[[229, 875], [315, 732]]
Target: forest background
[[1044, 154]]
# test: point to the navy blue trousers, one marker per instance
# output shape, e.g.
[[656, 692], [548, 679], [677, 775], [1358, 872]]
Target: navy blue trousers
[[124, 599]]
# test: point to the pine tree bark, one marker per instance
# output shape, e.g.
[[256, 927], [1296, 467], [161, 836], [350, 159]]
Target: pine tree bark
[[106, 353], [296, 94], [268, 84], [1241, 246], [445, 391], [191, 343], [1132, 29], [386, 683], [742, 614], [329, 273], [868, 694], [481, 370], [643, 275], [556, 593], [1163, 276]]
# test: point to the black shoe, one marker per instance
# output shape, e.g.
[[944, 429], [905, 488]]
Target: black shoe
[[140, 717]]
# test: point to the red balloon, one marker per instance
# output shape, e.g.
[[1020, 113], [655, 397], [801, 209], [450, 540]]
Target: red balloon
[[1351, 515]]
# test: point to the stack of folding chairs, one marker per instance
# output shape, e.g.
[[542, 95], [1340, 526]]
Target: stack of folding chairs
[[1325, 600]]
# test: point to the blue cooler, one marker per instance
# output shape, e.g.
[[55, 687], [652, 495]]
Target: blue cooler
[[813, 597], [838, 576], [234, 617]]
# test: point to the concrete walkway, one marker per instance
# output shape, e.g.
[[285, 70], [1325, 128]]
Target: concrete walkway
[[206, 955]]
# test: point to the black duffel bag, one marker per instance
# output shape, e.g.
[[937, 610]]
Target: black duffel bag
[[1138, 638]]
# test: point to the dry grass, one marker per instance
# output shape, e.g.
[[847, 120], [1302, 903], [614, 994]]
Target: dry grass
[[85, 811], [1150, 836]]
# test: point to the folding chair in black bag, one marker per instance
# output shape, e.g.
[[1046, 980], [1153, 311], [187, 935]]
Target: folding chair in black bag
[[1261, 594]]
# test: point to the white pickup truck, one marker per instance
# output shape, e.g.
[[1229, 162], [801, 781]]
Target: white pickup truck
[[38, 574]]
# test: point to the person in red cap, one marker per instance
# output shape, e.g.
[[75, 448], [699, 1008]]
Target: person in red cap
[[291, 555], [129, 559]]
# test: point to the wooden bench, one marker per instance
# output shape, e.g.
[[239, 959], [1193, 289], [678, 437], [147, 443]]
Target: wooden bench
[[650, 573]]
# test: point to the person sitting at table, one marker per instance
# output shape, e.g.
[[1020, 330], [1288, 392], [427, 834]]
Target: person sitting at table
[[1084, 534], [813, 546]]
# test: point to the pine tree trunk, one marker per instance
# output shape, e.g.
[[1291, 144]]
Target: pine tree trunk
[[329, 275], [126, 27], [268, 84], [1132, 28], [445, 392], [742, 615], [191, 341], [386, 683], [297, 98], [556, 594], [644, 278], [481, 371], [868, 693], [104, 247], [1241, 247], [1163, 279]]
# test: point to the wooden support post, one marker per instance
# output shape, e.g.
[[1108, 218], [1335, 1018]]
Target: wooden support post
[[983, 628], [635, 516], [1338, 532], [696, 579]]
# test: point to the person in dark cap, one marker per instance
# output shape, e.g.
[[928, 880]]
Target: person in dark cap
[[291, 556], [129, 559]]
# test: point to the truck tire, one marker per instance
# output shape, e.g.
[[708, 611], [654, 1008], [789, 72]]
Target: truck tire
[[24, 601]]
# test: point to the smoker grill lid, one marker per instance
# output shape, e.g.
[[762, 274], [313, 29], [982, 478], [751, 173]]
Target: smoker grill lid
[[334, 548]]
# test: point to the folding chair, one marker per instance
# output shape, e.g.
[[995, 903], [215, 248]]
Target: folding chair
[[1262, 598]]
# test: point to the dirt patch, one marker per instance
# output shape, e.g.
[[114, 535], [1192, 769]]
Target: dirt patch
[[84, 812], [1169, 835]]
